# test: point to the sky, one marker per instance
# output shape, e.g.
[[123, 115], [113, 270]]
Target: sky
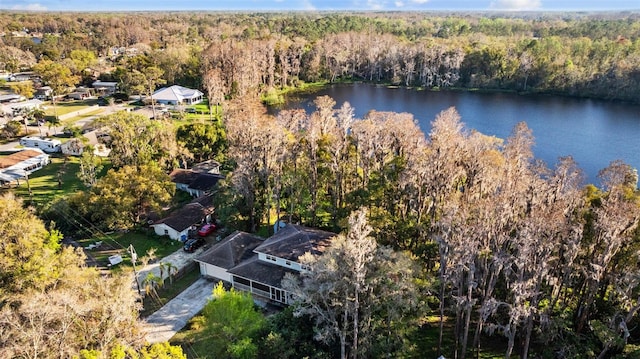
[[320, 5]]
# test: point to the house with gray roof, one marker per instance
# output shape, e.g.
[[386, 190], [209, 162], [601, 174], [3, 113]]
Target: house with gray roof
[[177, 95], [179, 222], [262, 272], [230, 252], [199, 180]]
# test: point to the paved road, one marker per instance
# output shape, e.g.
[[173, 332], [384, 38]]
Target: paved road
[[173, 316]]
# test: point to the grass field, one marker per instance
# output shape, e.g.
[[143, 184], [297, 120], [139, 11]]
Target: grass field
[[63, 108], [57, 179], [71, 121], [143, 241]]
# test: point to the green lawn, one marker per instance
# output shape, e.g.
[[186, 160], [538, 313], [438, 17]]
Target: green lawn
[[56, 179], [65, 107], [143, 242], [75, 119]]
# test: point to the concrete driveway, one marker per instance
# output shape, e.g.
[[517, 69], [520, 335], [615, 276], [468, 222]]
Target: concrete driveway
[[173, 316], [179, 259]]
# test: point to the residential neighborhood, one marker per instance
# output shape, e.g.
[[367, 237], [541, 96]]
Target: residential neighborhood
[[396, 180]]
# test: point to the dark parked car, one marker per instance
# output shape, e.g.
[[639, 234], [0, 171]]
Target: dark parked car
[[207, 229], [193, 244]]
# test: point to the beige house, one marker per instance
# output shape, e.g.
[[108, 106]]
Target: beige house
[[76, 146]]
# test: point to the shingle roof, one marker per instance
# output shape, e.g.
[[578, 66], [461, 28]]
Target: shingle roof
[[260, 271], [205, 181], [292, 241], [232, 250], [183, 218], [210, 166], [183, 176]]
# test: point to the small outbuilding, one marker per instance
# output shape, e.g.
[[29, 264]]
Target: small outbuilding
[[76, 146]]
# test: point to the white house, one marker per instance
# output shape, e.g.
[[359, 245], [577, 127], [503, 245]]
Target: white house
[[11, 97], [178, 223], [15, 108], [46, 144], [44, 93], [23, 76], [261, 274], [177, 95], [22, 163]]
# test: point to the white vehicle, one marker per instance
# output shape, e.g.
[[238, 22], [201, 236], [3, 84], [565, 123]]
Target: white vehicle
[[48, 145]]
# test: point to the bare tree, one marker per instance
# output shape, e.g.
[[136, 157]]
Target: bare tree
[[347, 288]]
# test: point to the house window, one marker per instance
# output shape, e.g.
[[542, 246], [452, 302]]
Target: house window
[[277, 295], [271, 258], [260, 286], [240, 280], [166, 231], [288, 263]]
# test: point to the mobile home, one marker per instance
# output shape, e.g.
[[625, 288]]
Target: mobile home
[[49, 145]]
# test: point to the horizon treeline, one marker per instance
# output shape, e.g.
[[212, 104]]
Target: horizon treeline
[[577, 54]]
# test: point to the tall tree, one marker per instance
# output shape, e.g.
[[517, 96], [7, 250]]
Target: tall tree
[[353, 284], [137, 140], [125, 196], [204, 140], [58, 76], [51, 305]]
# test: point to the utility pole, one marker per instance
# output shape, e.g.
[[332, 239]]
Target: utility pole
[[134, 258]]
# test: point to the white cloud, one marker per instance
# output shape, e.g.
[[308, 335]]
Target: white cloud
[[375, 4], [30, 7], [308, 6], [409, 3], [516, 4]]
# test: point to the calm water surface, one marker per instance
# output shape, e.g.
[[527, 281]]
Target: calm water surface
[[593, 132]]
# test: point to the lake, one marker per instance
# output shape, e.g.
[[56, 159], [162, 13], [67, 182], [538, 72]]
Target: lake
[[593, 132]]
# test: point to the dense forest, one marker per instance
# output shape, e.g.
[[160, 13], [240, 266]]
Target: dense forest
[[452, 230]]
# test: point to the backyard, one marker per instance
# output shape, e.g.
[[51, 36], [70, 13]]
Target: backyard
[[57, 179]]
